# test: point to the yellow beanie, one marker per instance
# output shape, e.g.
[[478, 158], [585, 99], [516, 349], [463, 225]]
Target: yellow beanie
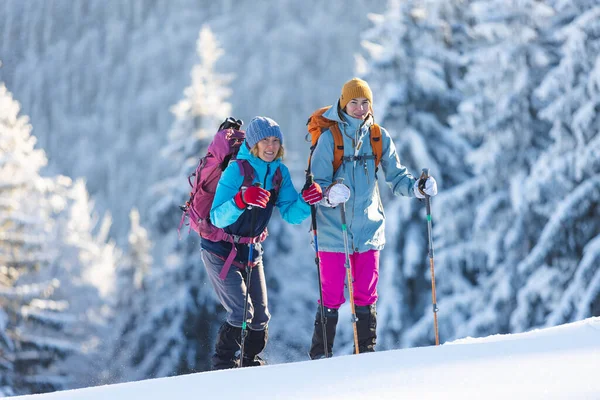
[[353, 89]]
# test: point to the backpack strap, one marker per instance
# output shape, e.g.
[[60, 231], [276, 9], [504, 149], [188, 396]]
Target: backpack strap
[[376, 143], [376, 146], [277, 179], [196, 173], [276, 182], [246, 171], [338, 146], [317, 124]]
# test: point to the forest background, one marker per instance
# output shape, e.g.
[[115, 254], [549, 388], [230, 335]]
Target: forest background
[[106, 106]]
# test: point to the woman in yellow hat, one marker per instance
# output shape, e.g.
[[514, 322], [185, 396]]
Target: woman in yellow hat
[[366, 148]]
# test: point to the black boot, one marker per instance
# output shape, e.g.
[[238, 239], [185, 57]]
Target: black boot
[[255, 343], [228, 344], [317, 348], [366, 327]]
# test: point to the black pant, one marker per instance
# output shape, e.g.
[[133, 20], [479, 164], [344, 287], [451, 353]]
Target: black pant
[[317, 348]]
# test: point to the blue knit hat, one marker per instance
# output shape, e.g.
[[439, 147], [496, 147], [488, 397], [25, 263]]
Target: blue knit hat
[[260, 128]]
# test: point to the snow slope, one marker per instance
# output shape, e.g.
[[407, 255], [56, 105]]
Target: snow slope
[[554, 363]]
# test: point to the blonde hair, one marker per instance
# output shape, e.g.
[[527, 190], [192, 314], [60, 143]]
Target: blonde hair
[[254, 152]]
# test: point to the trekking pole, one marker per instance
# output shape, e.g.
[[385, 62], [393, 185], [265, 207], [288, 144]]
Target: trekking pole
[[248, 276], [422, 179], [349, 274], [313, 214]]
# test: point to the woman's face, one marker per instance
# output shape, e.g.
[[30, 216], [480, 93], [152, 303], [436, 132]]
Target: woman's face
[[268, 148], [358, 108]]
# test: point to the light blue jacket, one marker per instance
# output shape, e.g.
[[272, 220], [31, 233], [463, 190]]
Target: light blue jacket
[[224, 212], [364, 211]]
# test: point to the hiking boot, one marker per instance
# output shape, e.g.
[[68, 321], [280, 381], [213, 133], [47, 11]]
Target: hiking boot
[[366, 327], [255, 362], [317, 348], [256, 342], [226, 347]]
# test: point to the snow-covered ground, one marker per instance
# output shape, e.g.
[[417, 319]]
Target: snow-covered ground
[[554, 363]]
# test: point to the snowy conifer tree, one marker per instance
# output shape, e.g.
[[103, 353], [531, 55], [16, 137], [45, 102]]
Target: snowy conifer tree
[[560, 275], [482, 231], [6, 358], [43, 266], [35, 321], [518, 238]]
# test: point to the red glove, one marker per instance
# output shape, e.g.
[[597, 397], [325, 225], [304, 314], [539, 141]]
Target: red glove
[[313, 194], [252, 196]]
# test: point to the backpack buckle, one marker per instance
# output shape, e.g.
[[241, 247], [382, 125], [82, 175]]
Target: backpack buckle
[[359, 158]]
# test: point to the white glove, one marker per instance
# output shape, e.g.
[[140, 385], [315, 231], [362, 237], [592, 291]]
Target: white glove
[[336, 194], [430, 188]]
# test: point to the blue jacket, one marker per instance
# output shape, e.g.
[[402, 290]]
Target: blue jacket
[[364, 211], [225, 213]]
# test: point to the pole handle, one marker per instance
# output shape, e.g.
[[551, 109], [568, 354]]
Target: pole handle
[[310, 179], [422, 179]]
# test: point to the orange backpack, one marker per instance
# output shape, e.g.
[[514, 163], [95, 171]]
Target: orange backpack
[[317, 124]]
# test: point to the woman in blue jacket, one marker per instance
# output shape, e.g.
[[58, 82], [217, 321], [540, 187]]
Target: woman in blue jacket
[[353, 114], [232, 210]]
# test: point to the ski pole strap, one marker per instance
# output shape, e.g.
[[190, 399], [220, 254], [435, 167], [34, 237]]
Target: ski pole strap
[[180, 225], [189, 211]]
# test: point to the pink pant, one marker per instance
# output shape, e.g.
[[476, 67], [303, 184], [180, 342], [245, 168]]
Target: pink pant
[[365, 270]]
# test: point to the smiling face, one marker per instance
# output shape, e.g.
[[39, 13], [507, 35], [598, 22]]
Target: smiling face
[[268, 148], [358, 107]]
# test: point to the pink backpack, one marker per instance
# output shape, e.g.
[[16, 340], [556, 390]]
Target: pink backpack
[[223, 149]]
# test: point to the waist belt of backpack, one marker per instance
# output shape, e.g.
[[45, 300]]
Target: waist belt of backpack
[[234, 239]]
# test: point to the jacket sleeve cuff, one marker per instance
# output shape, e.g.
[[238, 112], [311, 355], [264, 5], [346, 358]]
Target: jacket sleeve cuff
[[239, 201]]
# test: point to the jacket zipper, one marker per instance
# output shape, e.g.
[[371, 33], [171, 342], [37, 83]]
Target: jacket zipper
[[266, 175]]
